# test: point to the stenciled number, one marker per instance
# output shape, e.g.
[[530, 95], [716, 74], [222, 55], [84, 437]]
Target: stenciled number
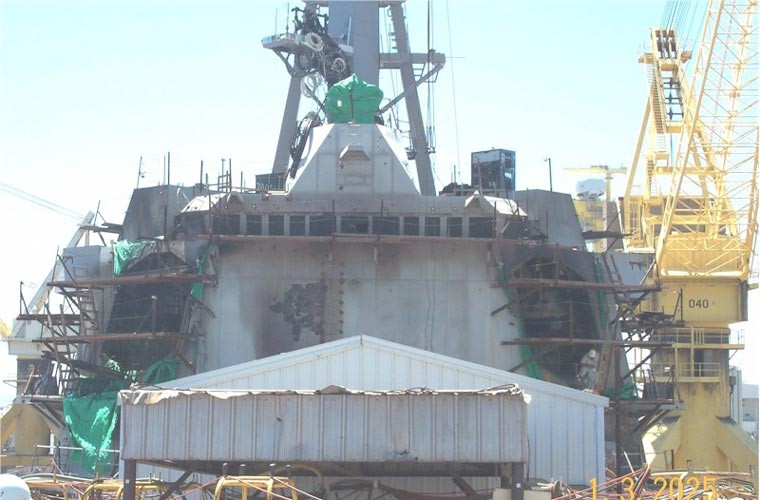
[[699, 304]]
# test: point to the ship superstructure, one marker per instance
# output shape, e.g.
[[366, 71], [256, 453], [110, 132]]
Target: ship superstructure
[[356, 242]]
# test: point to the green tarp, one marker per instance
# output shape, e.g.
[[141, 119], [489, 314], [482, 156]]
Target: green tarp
[[197, 289], [627, 390], [352, 100], [161, 371], [123, 251], [91, 418]]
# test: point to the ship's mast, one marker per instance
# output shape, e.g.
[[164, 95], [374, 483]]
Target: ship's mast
[[347, 42]]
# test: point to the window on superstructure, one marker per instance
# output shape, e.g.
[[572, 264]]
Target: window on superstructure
[[411, 226], [454, 227], [276, 225], [432, 226], [253, 225], [385, 225], [321, 225], [225, 224], [297, 225], [480, 227], [354, 224]]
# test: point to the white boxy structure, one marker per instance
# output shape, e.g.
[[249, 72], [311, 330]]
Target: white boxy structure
[[565, 427]]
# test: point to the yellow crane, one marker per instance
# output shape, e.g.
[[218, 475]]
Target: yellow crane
[[694, 210]]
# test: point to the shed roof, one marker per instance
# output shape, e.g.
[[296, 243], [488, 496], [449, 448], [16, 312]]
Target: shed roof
[[369, 363]]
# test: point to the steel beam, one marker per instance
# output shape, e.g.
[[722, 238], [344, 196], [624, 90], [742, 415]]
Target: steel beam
[[412, 99], [288, 126]]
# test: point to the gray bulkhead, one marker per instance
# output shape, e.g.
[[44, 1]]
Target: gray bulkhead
[[373, 272]]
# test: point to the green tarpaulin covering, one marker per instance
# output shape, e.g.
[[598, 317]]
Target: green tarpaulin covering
[[161, 371], [91, 418], [123, 251], [352, 100], [197, 289], [626, 391]]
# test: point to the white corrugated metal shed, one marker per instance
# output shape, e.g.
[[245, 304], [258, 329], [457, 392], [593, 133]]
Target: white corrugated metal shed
[[381, 431], [565, 426]]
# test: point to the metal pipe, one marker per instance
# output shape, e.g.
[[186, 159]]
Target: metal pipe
[[154, 312], [551, 185]]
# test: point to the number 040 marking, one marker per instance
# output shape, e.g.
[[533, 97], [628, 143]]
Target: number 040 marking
[[699, 304]]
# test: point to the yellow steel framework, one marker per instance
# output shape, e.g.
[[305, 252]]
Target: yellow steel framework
[[697, 209], [695, 212]]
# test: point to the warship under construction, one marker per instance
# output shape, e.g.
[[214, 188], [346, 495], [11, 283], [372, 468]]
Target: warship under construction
[[345, 319]]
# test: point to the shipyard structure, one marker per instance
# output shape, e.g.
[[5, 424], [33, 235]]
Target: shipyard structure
[[351, 319]]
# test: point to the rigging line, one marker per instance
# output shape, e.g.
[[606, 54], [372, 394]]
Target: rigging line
[[430, 128], [672, 14], [453, 86], [396, 119], [683, 17], [678, 14], [666, 13], [41, 202], [693, 7]]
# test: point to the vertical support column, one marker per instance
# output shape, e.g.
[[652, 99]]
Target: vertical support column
[[412, 99], [288, 126], [505, 476], [618, 417], [130, 477], [357, 24], [518, 480]]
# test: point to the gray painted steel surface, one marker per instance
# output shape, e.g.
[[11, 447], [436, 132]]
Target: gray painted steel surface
[[419, 426], [427, 294], [553, 214]]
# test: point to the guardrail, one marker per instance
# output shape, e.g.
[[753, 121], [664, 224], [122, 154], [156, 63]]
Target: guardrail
[[701, 337], [686, 370]]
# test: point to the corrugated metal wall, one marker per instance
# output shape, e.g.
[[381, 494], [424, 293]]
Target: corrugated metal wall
[[416, 427], [565, 426]]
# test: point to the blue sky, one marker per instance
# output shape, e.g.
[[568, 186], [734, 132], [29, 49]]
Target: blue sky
[[87, 88]]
